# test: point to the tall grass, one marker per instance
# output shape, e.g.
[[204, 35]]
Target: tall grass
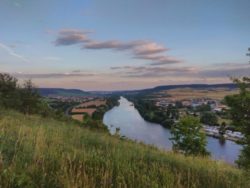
[[38, 152]]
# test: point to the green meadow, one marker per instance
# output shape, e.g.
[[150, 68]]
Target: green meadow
[[43, 152]]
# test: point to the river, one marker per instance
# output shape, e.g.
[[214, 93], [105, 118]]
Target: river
[[133, 126]]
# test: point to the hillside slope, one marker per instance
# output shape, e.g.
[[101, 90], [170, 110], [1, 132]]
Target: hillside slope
[[61, 92], [38, 152]]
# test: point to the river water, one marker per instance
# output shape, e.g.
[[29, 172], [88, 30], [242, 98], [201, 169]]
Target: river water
[[133, 126]]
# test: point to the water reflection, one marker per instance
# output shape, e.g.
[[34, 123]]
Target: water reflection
[[132, 125]]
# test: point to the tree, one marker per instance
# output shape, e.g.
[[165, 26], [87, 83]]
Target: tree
[[178, 104], [240, 113], [30, 98], [9, 97], [222, 129], [188, 138], [203, 108], [209, 118], [172, 112]]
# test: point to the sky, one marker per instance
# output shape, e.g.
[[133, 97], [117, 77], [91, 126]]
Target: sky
[[124, 44]]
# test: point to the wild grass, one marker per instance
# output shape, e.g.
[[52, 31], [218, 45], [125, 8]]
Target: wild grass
[[39, 152]]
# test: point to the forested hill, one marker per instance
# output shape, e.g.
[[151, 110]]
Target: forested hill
[[62, 92], [192, 86], [229, 86], [78, 92]]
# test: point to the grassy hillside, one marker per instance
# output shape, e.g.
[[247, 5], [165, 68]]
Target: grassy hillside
[[38, 152]]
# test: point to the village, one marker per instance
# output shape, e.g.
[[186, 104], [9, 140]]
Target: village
[[189, 104]]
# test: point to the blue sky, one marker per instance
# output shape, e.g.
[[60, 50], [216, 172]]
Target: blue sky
[[117, 44]]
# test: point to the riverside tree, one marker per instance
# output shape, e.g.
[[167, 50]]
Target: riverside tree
[[188, 138], [209, 118], [240, 113]]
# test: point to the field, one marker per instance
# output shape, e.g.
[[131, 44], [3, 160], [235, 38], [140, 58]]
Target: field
[[86, 107], [78, 117], [89, 111], [40, 152], [97, 102], [188, 93]]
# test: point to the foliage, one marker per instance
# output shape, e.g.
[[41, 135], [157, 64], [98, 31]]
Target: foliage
[[203, 108], [24, 98], [222, 129], [100, 111], [43, 152], [30, 99], [179, 104], [152, 113], [9, 95], [209, 118], [188, 137], [62, 105], [240, 114]]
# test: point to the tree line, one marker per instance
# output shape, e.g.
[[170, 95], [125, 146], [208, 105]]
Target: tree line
[[24, 98]]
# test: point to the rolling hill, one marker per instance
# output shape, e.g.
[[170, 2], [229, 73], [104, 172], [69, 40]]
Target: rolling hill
[[62, 92]]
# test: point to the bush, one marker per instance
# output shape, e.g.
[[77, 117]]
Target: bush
[[188, 137], [209, 118]]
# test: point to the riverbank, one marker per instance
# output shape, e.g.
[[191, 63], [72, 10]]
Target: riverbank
[[229, 135], [132, 125], [154, 115]]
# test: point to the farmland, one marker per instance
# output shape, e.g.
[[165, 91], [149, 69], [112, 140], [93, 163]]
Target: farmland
[[87, 108], [95, 102], [78, 117], [188, 93], [89, 111]]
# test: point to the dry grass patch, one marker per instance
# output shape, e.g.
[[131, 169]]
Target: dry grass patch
[[78, 117], [96, 103], [188, 93], [89, 111]]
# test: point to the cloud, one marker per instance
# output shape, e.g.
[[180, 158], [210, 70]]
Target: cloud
[[112, 44], [148, 71], [51, 75], [123, 67], [77, 71], [158, 59], [230, 65], [71, 36], [12, 53], [226, 72], [149, 48], [218, 71], [140, 49]]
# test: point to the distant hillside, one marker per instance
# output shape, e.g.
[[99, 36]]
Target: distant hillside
[[192, 86], [78, 92], [62, 92]]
